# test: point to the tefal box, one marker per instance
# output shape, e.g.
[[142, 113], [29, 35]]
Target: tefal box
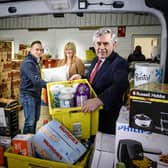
[[54, 142], [149, 107], [154, 145], [22, 144]]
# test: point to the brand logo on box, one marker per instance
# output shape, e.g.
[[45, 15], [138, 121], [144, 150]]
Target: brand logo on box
[[53, 149], [149, 94], [69, 135], [130, 129], [142, 77]]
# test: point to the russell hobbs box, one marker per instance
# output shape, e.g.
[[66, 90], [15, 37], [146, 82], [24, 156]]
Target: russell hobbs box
[[149, 107]]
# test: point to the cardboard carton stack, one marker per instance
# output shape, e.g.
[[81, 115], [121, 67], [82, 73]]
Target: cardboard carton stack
[[5, 69], [15, 84]]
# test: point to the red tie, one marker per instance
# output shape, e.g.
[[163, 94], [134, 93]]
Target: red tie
[[94, 71]]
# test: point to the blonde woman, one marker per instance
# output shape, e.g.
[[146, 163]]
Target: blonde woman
[[74, 65]]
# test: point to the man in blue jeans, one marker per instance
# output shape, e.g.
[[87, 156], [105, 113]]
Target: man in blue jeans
[[30, 87]]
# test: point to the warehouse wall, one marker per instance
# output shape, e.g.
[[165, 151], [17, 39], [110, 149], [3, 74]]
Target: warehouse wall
[[54, 39], [54, 32], [74, 21]]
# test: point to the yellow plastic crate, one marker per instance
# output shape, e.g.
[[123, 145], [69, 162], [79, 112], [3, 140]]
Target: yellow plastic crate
[[20, 161], [74, 117]]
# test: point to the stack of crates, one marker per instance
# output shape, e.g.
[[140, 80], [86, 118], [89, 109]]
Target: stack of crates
[[9, 125], [9, 121], [73, 118]]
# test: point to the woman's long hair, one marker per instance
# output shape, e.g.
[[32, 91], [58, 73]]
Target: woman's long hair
[[71, 46]]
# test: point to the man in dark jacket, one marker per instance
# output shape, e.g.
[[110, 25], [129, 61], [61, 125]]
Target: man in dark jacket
[[30, 87], [110, 81], [136, 55]]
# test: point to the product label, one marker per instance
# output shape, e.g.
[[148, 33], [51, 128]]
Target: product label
[[130, 129], [56, 100], [148, 94], [147, 73], [80, 99]]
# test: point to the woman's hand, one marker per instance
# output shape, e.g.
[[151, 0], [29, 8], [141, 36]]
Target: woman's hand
[[75, 76]]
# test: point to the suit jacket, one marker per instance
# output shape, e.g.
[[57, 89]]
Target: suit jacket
[[110, 83]]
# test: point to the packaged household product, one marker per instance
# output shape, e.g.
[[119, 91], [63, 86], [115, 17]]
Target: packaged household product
[[148, 107], [22, 144], [82, 93], [147, 72], [55, 91], [66, 97], [54, 142]]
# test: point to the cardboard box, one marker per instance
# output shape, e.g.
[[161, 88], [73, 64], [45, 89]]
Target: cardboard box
[[103, 153], [153, 144], [102, 159], [54, 142], [149, 107], [22, 144], [105, 142]]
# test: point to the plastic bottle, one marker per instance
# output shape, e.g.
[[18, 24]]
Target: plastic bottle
[[82, 94], [66, 97]]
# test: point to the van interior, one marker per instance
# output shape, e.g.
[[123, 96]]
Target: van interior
[[78, 18]]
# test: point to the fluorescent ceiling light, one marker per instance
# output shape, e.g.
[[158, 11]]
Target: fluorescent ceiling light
[[58, 4]]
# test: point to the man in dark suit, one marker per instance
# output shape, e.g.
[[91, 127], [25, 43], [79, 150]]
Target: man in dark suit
[[110, 82]]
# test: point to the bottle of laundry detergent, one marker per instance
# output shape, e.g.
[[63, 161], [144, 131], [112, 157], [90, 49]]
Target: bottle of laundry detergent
[[82, 93]]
